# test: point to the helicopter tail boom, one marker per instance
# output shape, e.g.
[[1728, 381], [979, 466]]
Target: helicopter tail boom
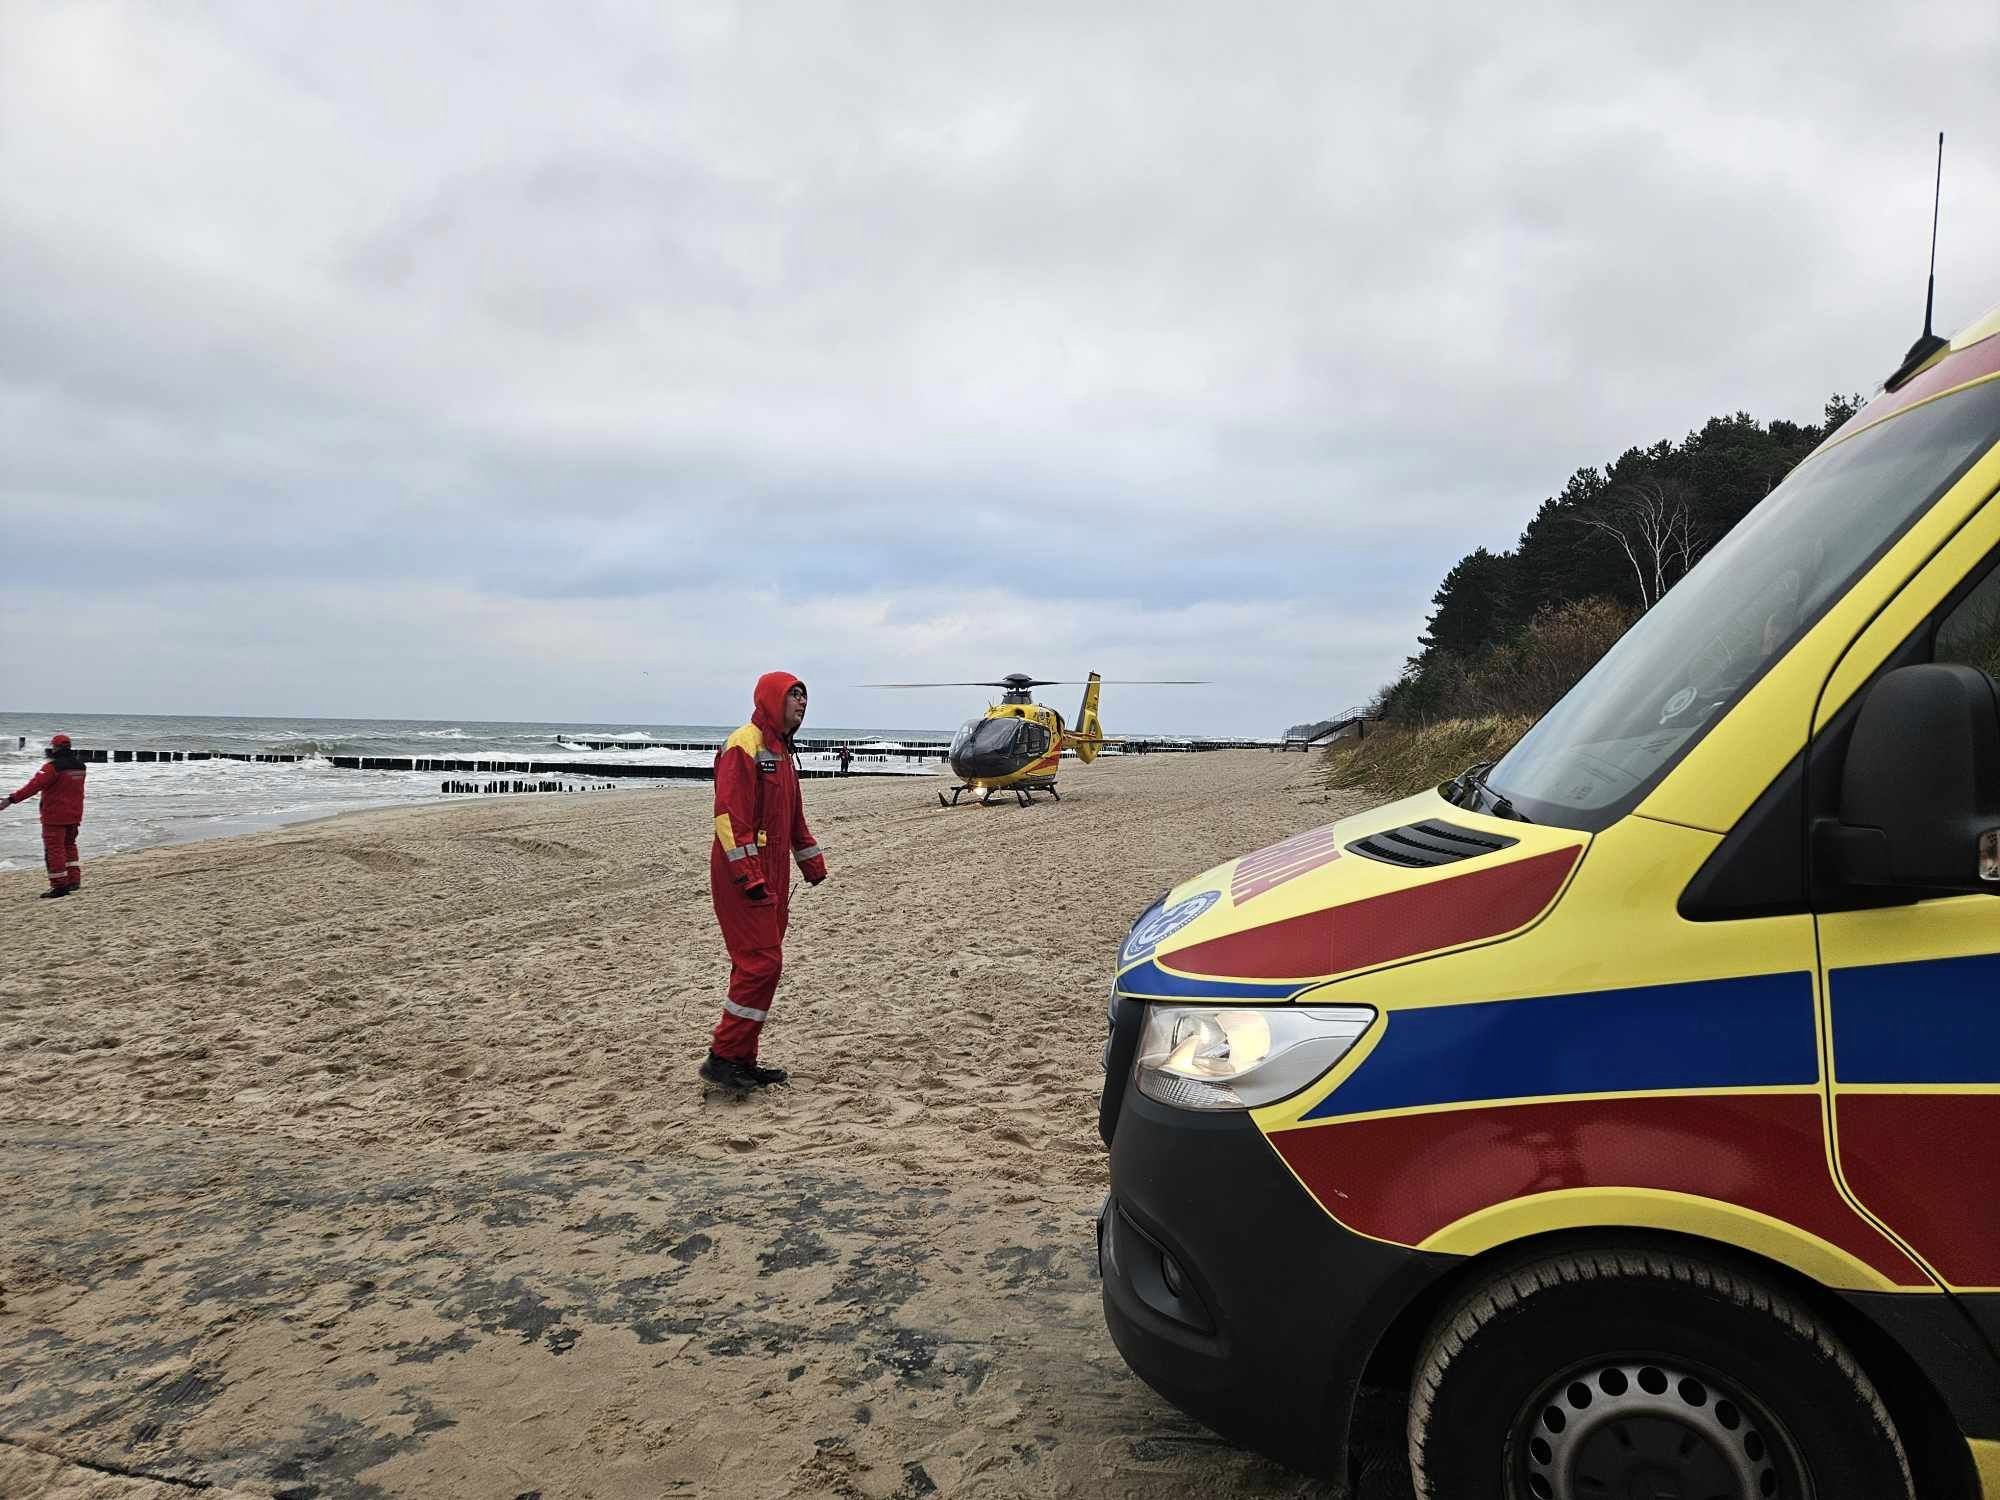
[[1089, 736]]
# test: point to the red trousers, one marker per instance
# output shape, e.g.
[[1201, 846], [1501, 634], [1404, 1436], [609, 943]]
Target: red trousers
[[754, 933], [59, 852]]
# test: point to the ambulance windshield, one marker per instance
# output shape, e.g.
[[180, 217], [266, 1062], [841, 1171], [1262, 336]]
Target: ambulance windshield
[[1679, 669]]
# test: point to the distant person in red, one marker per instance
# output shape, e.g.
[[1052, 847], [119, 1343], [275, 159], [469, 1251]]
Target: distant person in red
[[760, 828], [59, 783]]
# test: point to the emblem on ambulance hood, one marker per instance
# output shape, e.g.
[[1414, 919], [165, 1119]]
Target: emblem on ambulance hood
[[1157, 926]]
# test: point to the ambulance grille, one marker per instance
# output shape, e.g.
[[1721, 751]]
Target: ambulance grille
[[1420, 845]]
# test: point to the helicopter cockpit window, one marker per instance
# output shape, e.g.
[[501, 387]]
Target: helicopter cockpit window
[[990, 737], [1035, 741]]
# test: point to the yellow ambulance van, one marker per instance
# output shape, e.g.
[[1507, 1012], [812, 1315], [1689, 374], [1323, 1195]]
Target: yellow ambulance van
[[1634, 1101]]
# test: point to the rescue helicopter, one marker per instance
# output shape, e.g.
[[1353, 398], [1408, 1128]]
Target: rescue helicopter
[[1017, 744]]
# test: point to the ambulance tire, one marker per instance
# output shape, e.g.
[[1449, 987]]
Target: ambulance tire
[[1604, 1322]]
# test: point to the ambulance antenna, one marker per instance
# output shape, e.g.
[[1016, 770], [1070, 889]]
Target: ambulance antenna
[[1927, 343]]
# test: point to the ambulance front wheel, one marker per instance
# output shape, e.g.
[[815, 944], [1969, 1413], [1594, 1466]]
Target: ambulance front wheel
[[1644, 1373]]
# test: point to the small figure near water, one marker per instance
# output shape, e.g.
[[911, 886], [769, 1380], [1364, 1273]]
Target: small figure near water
[[59, 783], [757, 803], [846, 759]]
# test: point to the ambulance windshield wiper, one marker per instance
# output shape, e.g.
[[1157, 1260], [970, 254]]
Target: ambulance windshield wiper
[[1459, 790], [1469, 787]]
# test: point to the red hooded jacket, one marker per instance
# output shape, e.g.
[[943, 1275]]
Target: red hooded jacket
[[60, 783], [757, 802]]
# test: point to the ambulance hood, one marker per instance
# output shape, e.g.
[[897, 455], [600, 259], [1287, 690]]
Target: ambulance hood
[[1404, 881]]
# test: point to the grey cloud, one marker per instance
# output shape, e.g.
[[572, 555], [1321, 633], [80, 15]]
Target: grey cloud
[[1155, 306]]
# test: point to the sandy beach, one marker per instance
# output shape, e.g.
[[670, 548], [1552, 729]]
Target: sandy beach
[[366, 1157]]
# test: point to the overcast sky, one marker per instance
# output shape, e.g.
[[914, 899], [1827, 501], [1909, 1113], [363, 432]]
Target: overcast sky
[[579, 362]]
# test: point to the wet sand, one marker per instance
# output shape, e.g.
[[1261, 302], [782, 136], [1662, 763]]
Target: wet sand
[[366, 1157]]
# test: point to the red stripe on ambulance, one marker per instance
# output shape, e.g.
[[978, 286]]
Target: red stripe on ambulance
[[1405, 1177], [1443, 914]]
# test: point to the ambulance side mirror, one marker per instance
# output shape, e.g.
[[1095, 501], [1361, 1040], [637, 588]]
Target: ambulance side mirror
[[1920, 791]]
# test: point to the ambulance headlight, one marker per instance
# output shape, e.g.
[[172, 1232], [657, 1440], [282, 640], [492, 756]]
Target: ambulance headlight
[[1218, 1057]]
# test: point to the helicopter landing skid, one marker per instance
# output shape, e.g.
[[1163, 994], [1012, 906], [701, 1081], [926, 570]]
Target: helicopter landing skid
[[1024, 793]]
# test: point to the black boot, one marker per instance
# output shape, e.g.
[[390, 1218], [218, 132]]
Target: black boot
[[766, 1077], [727, 1073], [53, 892]]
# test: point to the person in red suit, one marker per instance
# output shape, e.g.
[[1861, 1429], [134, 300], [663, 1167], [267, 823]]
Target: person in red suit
[[760, 830], [59, 783]]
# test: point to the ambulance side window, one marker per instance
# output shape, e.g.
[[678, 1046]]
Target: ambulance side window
[[1970, 634]]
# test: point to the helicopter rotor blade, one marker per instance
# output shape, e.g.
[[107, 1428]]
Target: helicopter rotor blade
[[1035, 682]]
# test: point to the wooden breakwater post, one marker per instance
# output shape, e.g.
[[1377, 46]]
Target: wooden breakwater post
[[481, 765], [909, 750], [143, 757], [150, 757], [491, 788]]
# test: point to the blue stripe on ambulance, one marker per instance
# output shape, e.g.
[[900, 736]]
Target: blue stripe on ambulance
[[1935, 1021], [1722, 1033]]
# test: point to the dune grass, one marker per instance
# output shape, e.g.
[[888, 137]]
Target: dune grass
[[1395, 760]]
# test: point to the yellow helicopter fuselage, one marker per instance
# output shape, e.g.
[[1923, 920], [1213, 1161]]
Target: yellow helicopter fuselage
[[1009, 743], [1018, 744]]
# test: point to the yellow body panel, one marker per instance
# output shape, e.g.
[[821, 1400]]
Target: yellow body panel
[[1986, 1464], [1677, 1213], [1975, 332]]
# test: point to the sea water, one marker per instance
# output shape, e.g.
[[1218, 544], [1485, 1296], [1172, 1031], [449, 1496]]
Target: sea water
[[138, 806]]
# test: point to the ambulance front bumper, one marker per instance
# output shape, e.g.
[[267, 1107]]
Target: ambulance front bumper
[[1232, 1293]]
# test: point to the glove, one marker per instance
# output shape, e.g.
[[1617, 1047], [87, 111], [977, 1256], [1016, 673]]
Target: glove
[[759, 894], [814, 869], [748, 872]]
